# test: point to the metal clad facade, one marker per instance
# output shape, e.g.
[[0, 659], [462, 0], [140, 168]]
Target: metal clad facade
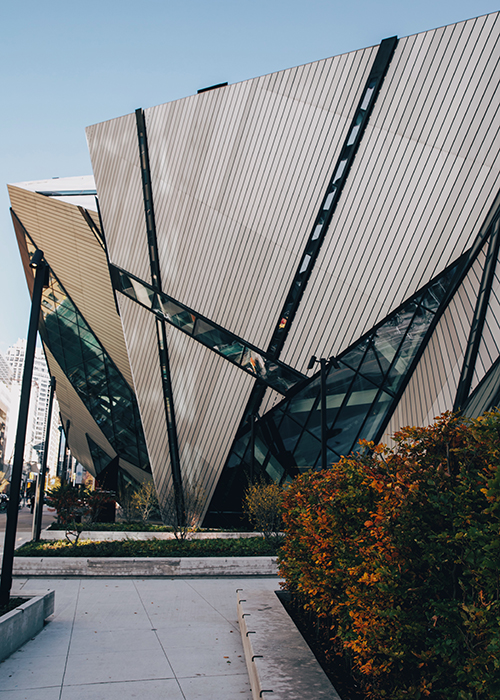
[[238, 186], [417, 190], [114, 152]]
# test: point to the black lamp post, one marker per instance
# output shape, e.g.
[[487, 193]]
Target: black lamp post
[[324, 365], [38, 510], [41, 280]]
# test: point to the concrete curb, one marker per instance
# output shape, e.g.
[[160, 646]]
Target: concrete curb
[[22, 623], [112, 535], [143, 567], [279, 662]]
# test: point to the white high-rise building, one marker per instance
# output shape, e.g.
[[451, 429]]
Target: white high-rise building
[[39, 403], [6, 376]]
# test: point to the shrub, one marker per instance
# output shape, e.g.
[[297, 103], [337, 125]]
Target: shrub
[[262, 505], [77, 506], [396, 551]]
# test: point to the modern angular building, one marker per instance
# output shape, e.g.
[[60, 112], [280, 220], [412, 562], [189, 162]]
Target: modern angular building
[[347, 209]]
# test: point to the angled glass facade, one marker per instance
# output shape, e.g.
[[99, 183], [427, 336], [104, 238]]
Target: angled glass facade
[[92, 373], [361, 391]]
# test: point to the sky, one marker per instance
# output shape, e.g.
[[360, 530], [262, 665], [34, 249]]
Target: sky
[[65, 66]]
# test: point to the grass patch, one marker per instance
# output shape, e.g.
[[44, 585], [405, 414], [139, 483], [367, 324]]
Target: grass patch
[[239, 547]]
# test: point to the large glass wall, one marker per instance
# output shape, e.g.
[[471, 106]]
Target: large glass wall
[[92, 373], [362, 387]]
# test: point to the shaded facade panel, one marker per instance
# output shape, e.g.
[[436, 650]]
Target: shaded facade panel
[[77, 257], [95, 399]]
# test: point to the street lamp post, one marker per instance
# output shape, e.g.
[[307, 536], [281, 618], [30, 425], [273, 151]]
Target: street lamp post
[[37, 517], [324, 365], [41, 281]]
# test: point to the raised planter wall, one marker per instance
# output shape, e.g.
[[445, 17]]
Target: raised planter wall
[[22, 623], [145, 566]]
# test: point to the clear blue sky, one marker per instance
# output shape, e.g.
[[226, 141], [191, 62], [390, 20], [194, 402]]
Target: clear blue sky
[[67, 65]]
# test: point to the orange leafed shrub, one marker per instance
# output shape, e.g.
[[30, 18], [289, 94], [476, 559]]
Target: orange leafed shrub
[[396, 551]]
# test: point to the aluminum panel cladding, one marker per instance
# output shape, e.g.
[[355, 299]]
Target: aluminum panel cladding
[[238, 175], [115, 161], [210, 395], [414, 199], [433, 385], [140, 333], [58, 227]]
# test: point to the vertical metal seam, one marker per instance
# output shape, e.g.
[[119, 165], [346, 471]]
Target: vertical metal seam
[[479, 318], [166, 380]]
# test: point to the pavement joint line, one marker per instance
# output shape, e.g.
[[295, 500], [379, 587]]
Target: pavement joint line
[[70, 640], [159, 640]]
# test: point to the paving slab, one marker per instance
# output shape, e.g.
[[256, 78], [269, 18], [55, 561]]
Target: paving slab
[[123, 639]]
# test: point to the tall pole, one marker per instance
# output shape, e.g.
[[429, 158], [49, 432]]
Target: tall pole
[[37, 517], [17, 466], [323, 363]]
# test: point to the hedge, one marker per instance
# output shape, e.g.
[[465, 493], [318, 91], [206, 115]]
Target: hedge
[[396, 553]]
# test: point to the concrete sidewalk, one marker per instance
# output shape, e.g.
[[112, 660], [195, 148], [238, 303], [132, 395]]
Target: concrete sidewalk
[[168, 639]]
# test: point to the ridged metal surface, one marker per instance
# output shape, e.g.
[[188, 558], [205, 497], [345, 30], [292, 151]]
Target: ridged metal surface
[[79, 261], [426, 172], [238, 175], [115, 161], [209, 397], [433, 386]]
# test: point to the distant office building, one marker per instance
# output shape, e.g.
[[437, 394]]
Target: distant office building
[[38, 412], [6, 376], [347, 209]]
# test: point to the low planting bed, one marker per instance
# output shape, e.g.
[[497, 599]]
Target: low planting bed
[[223, 547]]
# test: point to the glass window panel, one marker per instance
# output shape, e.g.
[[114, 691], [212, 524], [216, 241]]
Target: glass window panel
[[300, 406], [185, 321], [305, 264], [233, 351], [67, 312], [376, 415], [170, 309], [143, 294], [371, 367], [254, 362], [338, 382], [352, 416], [307, 451], [317, 232], [274, 470], [355, 356], [340, 170], [329, 200], [241, 445], [290, 432], [409, 348], [126, 285], [213, 337], [260, 451]]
